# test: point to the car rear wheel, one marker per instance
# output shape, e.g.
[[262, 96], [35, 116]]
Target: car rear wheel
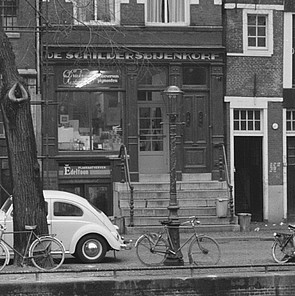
[[91, 249]]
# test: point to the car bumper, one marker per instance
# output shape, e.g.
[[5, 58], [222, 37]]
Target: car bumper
[[127, 245]]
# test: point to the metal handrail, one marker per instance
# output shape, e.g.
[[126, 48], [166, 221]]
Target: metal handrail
[[125, 168], [223, 163]]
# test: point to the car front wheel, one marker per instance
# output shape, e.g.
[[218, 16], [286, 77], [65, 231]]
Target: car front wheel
[[91, 249]]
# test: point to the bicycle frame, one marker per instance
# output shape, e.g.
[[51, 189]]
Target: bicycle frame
[[29, 241], [284, 239], [173, 251]]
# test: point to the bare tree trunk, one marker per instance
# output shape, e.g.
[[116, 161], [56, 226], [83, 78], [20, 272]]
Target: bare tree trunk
[[28, 200]]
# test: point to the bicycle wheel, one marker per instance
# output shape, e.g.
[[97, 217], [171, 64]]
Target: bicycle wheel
[[47, 253], [4, 256], [151, 251], [204, 250], [278, 254]]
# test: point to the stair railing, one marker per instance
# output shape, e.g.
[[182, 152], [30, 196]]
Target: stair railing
[[223, 168], [125, 173]]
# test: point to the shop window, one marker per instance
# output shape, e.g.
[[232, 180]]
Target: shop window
[[8, 14], [96, 11], [89, 121], [258, 32], [290, 120], [247, 120], [195, 76]]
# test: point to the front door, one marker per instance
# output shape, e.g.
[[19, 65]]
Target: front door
[[195, 133], [152, 139], [291, 178], [248, 176]]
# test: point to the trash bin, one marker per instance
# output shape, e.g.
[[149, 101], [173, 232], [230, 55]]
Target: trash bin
[[244, 221], [221, 207]]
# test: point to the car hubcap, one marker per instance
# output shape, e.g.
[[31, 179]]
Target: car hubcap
[[92, 249]]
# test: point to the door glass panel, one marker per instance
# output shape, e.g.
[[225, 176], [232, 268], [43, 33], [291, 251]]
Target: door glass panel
[[150, 129]]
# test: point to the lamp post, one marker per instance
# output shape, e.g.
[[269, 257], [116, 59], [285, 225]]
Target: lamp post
[[171, 96]]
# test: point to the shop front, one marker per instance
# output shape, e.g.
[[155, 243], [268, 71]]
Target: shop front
[[102, 100]]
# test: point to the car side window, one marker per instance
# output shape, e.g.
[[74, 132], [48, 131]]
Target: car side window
[[66, 209]]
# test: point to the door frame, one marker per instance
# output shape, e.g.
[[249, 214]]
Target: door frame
[[251, 103]]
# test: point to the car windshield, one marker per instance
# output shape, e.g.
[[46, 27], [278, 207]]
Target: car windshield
[[6, 205]]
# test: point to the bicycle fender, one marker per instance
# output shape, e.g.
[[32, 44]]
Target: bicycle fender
[[143, 235], [7, 251]]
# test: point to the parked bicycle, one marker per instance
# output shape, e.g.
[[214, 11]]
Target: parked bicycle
[[153, 248], [283, 248], [45, 252]]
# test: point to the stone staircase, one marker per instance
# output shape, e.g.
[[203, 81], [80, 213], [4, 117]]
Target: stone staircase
[[197, 195]]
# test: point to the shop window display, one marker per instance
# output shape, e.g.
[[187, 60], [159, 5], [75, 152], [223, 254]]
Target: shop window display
[[89, 121]]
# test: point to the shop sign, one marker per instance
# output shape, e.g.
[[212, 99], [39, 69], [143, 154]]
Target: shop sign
[[167, 56], [84, 77], [78, 171]]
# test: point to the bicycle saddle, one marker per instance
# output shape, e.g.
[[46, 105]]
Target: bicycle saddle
[[29, 227], [165, 222], [291, 226]]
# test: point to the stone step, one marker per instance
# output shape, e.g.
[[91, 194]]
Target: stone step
[[200, 229], [164, 202], [165, 186], [154, 221], [166, 177], [158, 212], [196, 194]]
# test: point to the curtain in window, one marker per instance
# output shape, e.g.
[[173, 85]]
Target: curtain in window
[[165, 11], [105, 10], [155, 11], [85, 10], [175, 11], [96, 10]]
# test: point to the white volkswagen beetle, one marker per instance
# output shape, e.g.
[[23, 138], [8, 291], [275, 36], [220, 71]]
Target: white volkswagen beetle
[[86, 232]]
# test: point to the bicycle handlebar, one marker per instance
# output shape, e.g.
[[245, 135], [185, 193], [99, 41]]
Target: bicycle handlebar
[[192, 220]]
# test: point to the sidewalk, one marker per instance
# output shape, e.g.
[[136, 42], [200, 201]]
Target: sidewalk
[[258, 230]]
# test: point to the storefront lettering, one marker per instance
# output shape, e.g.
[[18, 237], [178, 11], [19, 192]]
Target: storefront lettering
[[135, 56], [68, 170], [83, 77]]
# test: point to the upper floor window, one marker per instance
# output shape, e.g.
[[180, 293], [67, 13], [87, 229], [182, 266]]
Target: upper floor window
[[167, 12], [96, 11], [258, 33], [8, 10], [257, 30]]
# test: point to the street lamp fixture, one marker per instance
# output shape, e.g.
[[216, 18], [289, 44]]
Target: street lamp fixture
[[172, 96]]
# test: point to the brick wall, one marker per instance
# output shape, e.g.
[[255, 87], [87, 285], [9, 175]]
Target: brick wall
[[248, 75]]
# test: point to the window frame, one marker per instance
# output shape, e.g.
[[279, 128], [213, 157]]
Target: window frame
[[186, 15], [114, 21], [255, 50]]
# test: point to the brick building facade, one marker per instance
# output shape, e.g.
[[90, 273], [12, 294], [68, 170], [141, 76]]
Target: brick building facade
[[102, 75], [255, 42]]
